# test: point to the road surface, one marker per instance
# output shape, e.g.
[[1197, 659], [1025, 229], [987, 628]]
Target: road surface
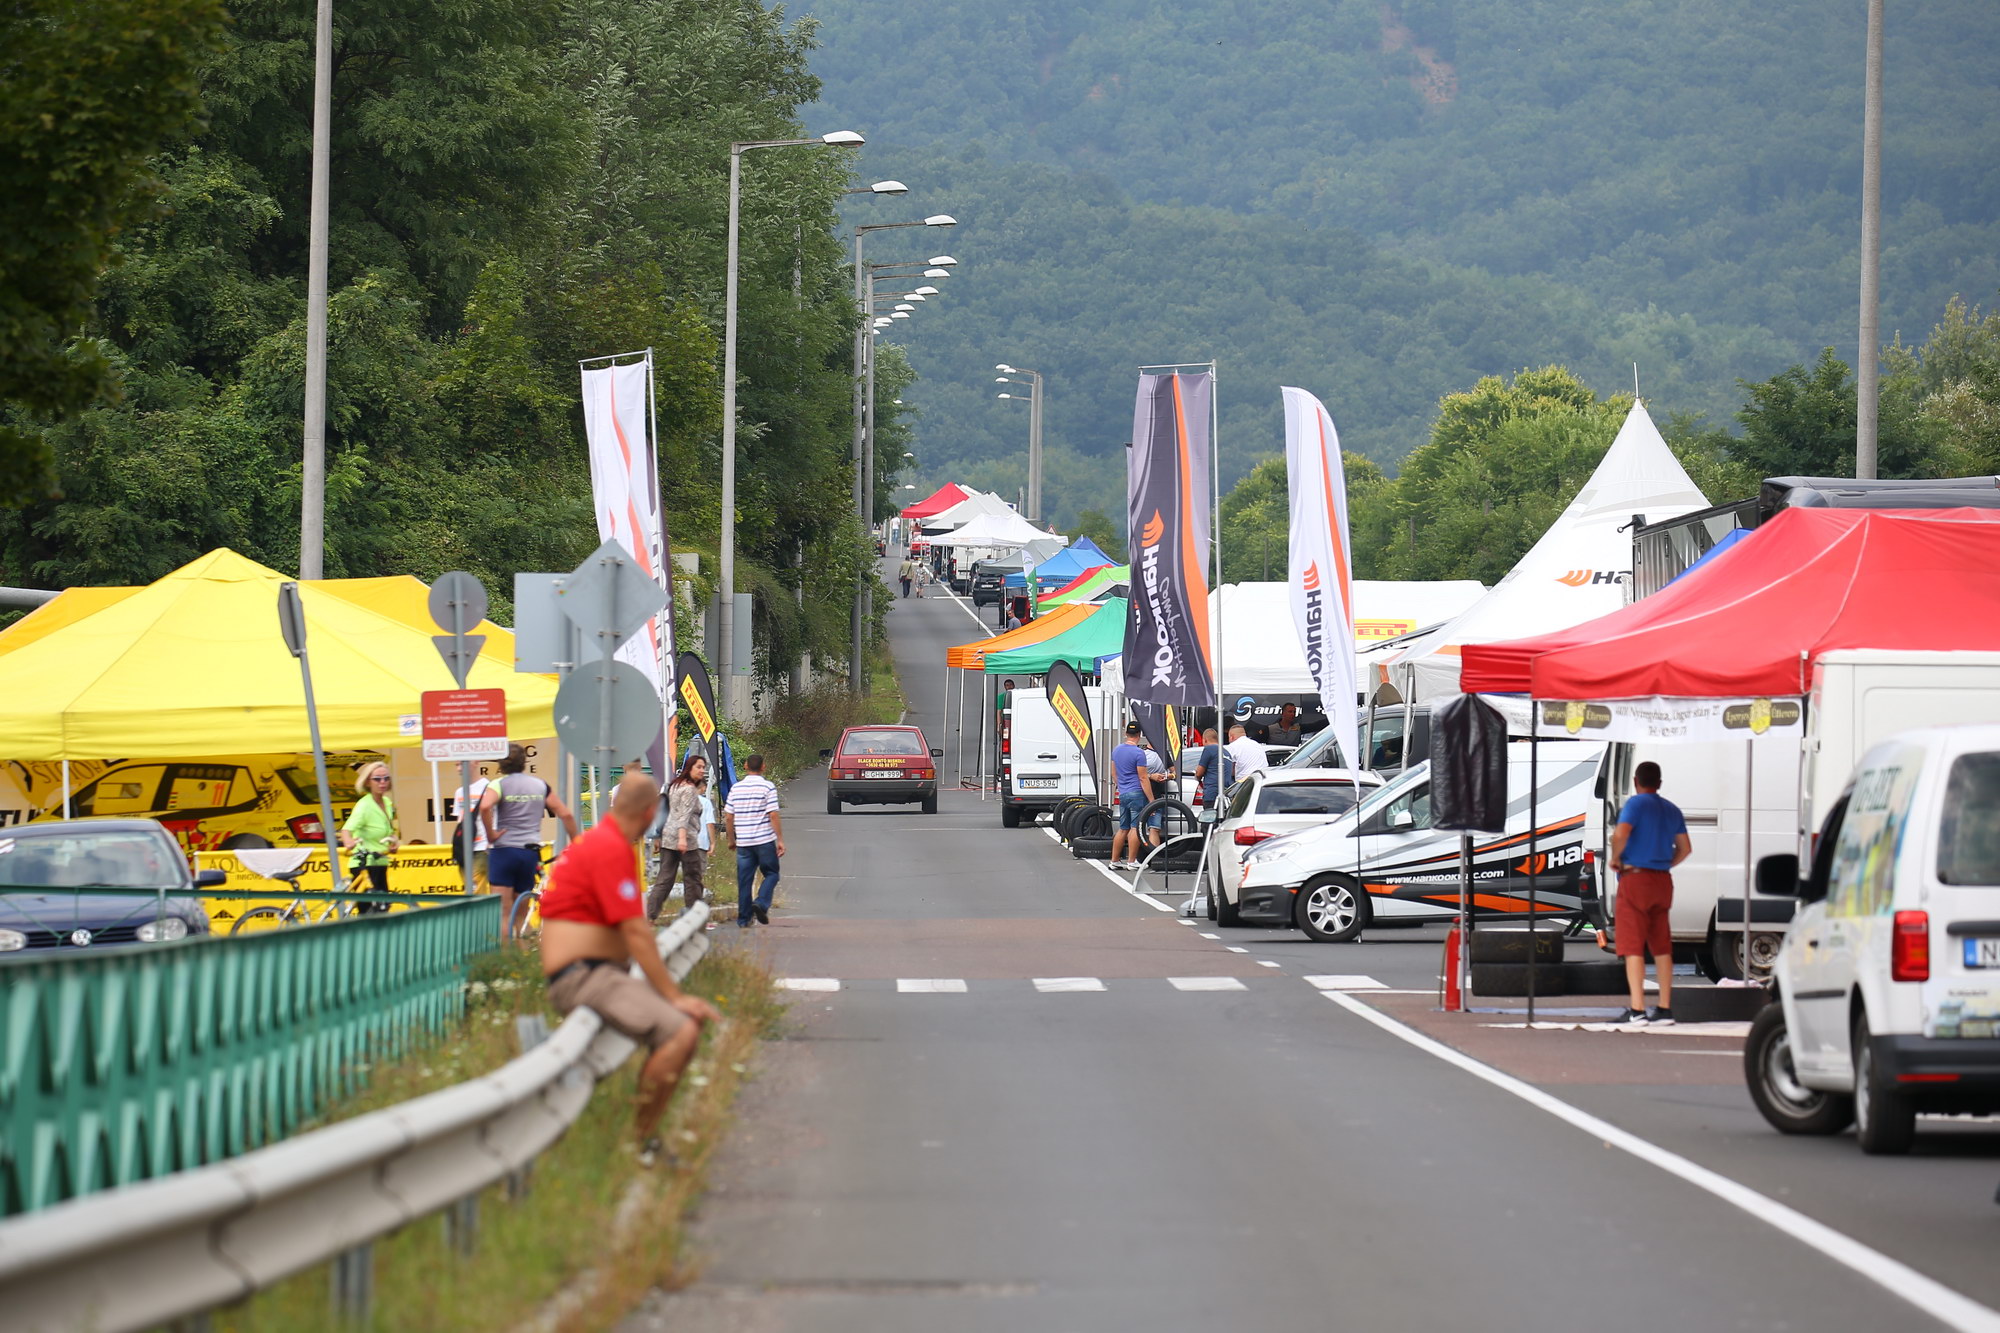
[[1036, 1101]]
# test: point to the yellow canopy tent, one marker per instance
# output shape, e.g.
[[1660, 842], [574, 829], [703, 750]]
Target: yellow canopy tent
[[194, 665], [972, 656]]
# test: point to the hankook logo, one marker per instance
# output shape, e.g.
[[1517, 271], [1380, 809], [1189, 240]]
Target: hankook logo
[[1578, 578], [1150, 533], [1315, 621]]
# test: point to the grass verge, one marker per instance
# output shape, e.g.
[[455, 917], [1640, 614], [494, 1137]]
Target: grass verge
[[591, 1220]]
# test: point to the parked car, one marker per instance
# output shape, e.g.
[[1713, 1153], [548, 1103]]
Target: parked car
[[1888, 981], [988, 582], [62, 861], [1271, 802], [881, 766]]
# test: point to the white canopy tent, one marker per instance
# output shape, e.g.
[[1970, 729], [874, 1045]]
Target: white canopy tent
[[994, 530], [972, 506], [1577, 571]]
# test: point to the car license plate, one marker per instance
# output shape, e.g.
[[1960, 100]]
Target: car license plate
[[1982, 953], [1037, 784], [883, 773]]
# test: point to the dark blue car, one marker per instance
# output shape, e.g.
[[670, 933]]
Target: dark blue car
[[57, 864]]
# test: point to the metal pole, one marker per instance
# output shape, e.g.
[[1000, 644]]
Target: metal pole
[[1749, 833], [868, 478], [312, 476], [1534, 831], [1868, 354], [1035, 451], [1215, 521], [725, 653], [862, 355]]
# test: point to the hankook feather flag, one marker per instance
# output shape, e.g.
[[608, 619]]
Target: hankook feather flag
[[1321, 568], [625, 489], [1167, 653]]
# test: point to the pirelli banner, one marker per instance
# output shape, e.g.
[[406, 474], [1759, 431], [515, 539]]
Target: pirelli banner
[[1666, 720], [694, 691], [1066, 696], [1167, 653]]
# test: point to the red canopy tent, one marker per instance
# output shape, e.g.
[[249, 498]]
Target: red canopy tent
[[1751, 622], [940, 500]]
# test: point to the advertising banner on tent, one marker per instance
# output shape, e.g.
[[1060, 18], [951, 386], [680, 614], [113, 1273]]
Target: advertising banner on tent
[[1065, 689], [625, 491], [1669, 720], [1167, 657], [697, 693], [1321, 570]]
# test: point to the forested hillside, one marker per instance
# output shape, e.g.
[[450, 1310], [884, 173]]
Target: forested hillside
[[1498, 183]]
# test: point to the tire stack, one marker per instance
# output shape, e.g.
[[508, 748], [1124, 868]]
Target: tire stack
[[1086, 826], [1499, 962]]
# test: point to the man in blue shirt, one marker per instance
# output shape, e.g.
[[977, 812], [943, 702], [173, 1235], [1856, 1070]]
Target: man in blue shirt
[[1135, 792], [1650, 840], [1214, 769]]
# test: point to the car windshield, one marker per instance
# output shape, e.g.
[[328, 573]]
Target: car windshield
[[1306, 798], [1310, 752], [113, 858], [304, 784], [1382, 796], [882, 742], [1969, 830]]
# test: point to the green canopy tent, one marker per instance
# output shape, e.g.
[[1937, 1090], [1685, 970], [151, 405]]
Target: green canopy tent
[[1101, 634], [1092, 586]]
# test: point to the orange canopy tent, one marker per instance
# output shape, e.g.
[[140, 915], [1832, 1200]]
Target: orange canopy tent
[[972, 656]]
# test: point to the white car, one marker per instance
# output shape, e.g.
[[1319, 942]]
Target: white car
[[1266, 804], [1889, 978]]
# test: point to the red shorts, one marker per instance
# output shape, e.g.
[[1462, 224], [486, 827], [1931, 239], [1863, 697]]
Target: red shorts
[[1641, 919]]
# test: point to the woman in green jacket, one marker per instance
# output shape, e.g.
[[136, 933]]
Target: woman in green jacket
[[371, 830]]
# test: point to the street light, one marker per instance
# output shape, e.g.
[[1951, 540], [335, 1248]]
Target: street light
[[880, 187], [1033, 379], [726, 650]]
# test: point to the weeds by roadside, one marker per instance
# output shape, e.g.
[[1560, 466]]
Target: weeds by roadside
[[800, 726], [591, 1222]]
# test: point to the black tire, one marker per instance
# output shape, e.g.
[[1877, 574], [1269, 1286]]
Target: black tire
[[1176, 816], [832, 804], [1595, 978], [930, 804], [1727, 946], [1511, 946], [1706, 964], [1226, 913], [1788, 1105], [1010, 815], [1885, 1120], [274, 915], [1067, 813], [1093, 824], [1214, 902], [1091, 849], [1511, 979], [1332, 910], [244, 840]]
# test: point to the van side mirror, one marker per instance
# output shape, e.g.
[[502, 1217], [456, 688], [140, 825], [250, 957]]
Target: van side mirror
[[1778, 876]]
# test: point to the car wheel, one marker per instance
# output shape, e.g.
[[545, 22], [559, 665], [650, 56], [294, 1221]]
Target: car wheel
[[832, 804], [1885, 1121], [243, 841], [1789, 1105], [930, 804], [1728, 950], [1226, 912], [1705, 961], [1214, 896], [1010, 815], [1332, 911]]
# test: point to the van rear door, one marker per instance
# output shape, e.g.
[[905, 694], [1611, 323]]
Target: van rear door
[[1962, 899]]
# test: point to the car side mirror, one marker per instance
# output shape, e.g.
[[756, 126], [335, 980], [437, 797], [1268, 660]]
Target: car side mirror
[[1209, 815], [1402, 819], [1778, 876], [210, 879], [826, 754], [936, 753]]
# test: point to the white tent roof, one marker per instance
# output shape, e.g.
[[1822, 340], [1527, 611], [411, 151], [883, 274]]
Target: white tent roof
[[972, 506], [996, 530], [1576, 572]]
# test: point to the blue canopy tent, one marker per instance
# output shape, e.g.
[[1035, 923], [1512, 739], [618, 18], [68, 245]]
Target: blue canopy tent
[[1079, 557], [1729, 540]]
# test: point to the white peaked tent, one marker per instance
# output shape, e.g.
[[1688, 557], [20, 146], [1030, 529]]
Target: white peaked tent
[[972, 506], [995, 530], [1576, 572]]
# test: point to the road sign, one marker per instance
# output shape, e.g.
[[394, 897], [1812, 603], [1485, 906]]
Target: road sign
[[465, 724], [458, 602], [608, 595], [607, 731]]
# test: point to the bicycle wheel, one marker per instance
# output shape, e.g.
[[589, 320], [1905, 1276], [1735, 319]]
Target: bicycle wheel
[[525, 922], [267, 918]]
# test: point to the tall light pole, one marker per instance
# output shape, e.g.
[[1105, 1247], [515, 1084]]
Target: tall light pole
[[1867, 386], [1035, 384], [864, 356], [725, 653], [312, 472]]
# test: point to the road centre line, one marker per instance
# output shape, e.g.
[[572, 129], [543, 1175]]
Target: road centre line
[[1897, 1278], [1206, 983], [1059, 985], [930, 986], [808, 983], [967, 609]]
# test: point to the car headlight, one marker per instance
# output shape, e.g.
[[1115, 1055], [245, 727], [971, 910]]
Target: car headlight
[[162, 931], [10, 940]]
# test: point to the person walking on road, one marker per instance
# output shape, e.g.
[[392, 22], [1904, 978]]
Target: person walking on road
[[594, 927], [681, 838], [907, 571], [750, 817], [371, 831], [1135, 793], [1650, 840], [1214, 770], [1246, 755], [516, 804]]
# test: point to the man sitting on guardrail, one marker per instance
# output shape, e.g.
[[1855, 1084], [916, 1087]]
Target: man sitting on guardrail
[[594, 927]]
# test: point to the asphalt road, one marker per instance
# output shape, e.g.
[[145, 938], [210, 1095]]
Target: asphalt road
[[1036, 1101]]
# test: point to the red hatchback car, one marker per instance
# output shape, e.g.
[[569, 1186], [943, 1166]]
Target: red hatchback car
[[881, 766]]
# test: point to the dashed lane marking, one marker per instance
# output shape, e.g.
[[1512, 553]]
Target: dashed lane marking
[[1235, 948], [1206, 983], [1205, 935], [1057, 985], [930, 986], [1345, 983], [1263, 963], [808, 983]]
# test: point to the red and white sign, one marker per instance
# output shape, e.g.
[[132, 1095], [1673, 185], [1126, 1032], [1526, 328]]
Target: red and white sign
[[465, 724]]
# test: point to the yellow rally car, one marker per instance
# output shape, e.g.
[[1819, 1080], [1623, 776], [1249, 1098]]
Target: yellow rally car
[[220, 804]]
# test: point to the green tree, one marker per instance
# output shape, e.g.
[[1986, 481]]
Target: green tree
[[90, 91], [1801, 422], [1103, 530]]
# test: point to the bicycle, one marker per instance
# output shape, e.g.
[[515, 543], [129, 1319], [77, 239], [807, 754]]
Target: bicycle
[[299, 911], [524, 921]]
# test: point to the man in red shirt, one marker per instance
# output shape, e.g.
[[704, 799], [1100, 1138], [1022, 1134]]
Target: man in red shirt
[[594, 927]]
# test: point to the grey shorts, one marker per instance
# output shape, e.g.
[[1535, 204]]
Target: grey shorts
[[626, 1003]]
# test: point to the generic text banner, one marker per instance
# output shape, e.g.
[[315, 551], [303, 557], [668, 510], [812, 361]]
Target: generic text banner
[[1670, 720], [1167, 656], [625, 490], [1321, 570]]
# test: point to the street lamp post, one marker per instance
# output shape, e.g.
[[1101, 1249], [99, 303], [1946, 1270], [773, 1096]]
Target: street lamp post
[[312, 470], [725, 653], [1034, 381]]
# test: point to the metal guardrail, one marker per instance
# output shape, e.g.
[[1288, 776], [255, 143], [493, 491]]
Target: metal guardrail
[[122, 1065], [174, 1247]]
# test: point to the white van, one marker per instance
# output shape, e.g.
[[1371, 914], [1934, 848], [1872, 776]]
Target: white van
[[1038, 763], [1383, 860], [1889, 980]]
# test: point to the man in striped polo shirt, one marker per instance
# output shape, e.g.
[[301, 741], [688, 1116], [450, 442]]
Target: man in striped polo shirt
[[750, 818]]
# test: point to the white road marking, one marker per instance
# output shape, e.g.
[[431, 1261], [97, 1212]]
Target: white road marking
[[808, 983], [1206, 983], [929, 986], [1262, 963], [1057, 985], [1106, 871], [1236, 948], [1184, 923], [1346, 983], [1205, 935], [1932, 1297], [965, 607]]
